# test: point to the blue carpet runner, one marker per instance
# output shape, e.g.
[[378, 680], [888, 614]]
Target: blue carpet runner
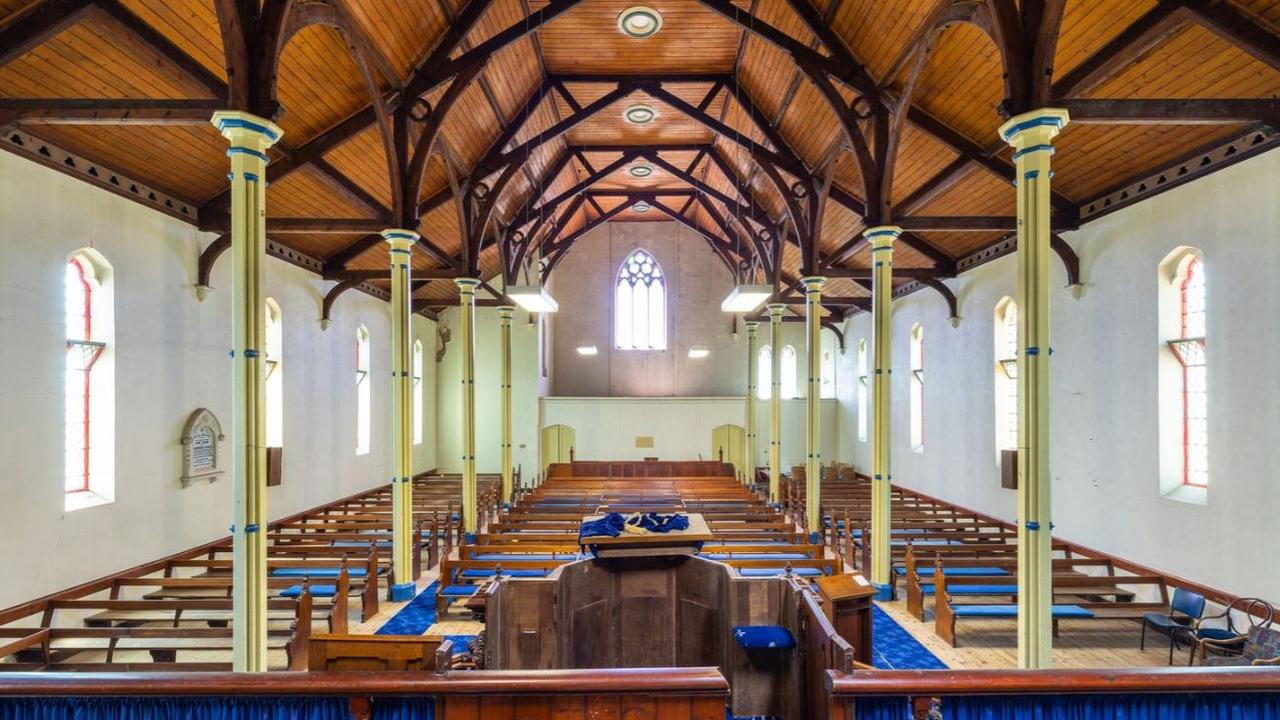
[[893, 648], [419, 615]]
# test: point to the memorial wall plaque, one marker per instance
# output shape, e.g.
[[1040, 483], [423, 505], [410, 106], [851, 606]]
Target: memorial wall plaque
[[202, 448]]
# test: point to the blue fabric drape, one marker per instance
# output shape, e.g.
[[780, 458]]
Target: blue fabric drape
[[208, 708], [612, 524], [1146, 706]]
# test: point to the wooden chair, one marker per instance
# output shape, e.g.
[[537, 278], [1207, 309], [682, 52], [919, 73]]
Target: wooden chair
[[1260, 647], [1259, 612]]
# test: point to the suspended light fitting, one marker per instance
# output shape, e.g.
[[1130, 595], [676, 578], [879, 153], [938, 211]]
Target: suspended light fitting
[[533, 298], [746, 298], [640, 170], [640, 114], [641, 206], [639, 22]]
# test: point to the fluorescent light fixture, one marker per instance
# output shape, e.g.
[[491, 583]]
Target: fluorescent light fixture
[[642, 206], [640, 22], [745, 298], [697, 353], [532, 298], [587, 350], [640, 114]]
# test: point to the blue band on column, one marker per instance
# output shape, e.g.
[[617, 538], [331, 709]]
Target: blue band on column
[[884, 593], [231, 122], [815, 538], [1033, 525], [403, 592], [247, 151], [252, 528]]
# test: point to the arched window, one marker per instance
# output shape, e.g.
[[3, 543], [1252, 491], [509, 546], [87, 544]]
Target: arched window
[[788, 372], [89, 438], [827, 376], [764, 373], [862, 390], [1006, 375], [1185, 400], [363, 430], [917, 388], [275, 375], [640, 304], [418, 401]]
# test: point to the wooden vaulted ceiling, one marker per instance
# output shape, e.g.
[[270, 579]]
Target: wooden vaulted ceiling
[[127, 85]]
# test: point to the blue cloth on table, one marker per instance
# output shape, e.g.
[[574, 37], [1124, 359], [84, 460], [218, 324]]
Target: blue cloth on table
[[353, 572], [763, 636], [999, 611], [294, 591], [612, 524]]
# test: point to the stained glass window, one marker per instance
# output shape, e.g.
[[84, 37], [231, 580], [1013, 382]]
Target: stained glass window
[[1190, 351], [83, 352]]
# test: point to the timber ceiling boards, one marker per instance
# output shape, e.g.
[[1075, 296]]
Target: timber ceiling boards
[[129, 84]]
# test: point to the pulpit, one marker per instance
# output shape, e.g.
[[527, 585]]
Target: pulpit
[[846, 601]]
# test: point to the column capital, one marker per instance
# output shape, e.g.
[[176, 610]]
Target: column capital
[[882, 236], [467, 286], [505, 312], [399, 238], [751, 325], [776, 310], [1037, 127], [813, 282], [243, 128]]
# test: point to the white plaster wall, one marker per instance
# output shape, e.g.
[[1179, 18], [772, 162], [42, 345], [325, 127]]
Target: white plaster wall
[[525, 391], [607, 428], [1105, 447], [171, 355], [583, 284]]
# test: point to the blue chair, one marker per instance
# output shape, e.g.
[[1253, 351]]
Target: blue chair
[[1184, 614]]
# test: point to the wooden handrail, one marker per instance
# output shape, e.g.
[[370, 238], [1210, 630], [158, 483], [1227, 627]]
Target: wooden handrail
[[684, 681], [1033, 682]]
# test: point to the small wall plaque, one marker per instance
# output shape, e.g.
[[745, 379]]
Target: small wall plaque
[[202, 457]]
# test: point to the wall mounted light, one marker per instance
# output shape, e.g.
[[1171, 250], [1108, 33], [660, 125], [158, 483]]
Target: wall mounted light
[[640, 114], [587, 350], [639, 22], [698, 352]]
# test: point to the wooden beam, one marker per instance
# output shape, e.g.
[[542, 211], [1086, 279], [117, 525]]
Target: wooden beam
[[127, 111], [41, 21], [1123, 50], [1177, 111], [969, 223], [1247, 32], [153, 39], [865, 273], [296, 225], [385, 274]]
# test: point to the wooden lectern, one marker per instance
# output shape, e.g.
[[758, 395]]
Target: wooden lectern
[[846, 601]]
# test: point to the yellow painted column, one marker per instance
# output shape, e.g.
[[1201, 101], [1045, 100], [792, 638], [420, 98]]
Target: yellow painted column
[[749, 450], [1031, 136], [402, 535], [775, 402], [504, 318], [813, 405], [250, 137], [467, 306], [881, 239]]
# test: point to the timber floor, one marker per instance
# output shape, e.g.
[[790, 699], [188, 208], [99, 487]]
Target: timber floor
[[987, 644]]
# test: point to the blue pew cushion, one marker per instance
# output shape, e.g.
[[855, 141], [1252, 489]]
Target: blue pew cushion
[[458, 590], [1001, 611], [955, 571], [476, 573], [927, 589], [333, 572], [294, 591], [756, 556], [499, 557], [763, 636], [775, 572]]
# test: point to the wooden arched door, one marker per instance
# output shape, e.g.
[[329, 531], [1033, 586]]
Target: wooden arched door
[[728, 443], [557, 444]]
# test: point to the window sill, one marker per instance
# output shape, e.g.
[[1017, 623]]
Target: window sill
[[84, 499], [1190, 494]]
